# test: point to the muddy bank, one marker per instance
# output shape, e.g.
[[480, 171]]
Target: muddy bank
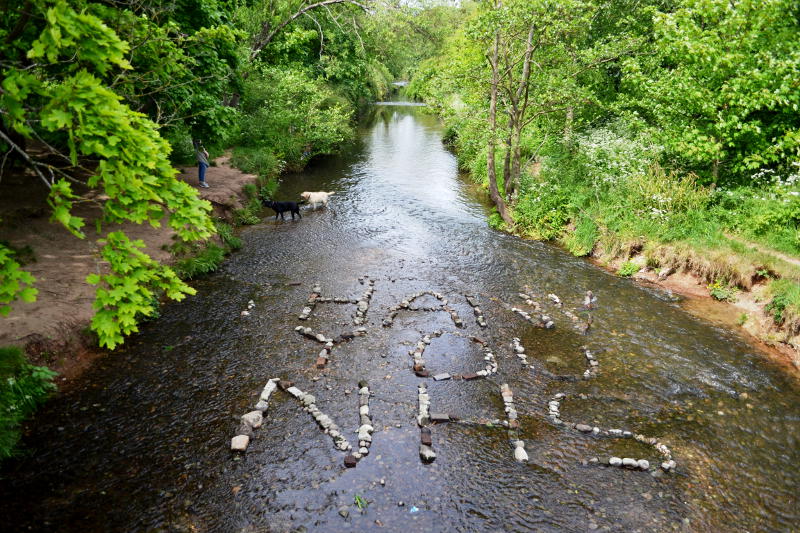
[[53, 329], [746, 315]]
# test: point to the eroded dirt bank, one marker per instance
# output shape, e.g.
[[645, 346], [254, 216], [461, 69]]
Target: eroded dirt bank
[[51, 326]]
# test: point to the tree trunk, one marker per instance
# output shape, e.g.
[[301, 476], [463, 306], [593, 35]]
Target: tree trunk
[[490, 155], [568, 124], [507, 180]]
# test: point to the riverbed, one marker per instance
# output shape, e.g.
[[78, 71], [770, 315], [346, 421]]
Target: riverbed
[[142, 443]]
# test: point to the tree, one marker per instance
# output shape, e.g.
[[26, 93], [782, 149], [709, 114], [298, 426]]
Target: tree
[[57, 96], [721, 87]]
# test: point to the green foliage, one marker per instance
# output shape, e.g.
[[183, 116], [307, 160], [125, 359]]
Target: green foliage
[[785, 300], [720, 85], [277, 101], [23, 387], [581, 241], [130, 290], [628, 269], [722, 291], [225, 232], [16, 283], [543, 210], [205, 261], [743, 318]]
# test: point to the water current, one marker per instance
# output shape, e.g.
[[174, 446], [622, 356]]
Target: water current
[[142, 442]]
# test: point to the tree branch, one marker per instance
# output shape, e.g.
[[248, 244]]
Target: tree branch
[[261, 43]]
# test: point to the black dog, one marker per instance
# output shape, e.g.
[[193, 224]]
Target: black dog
[[281, 207]]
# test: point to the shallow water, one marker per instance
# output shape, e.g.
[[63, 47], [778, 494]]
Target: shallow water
[[142, 444]]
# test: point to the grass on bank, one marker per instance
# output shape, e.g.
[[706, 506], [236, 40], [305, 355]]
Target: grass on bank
[[606, 194]]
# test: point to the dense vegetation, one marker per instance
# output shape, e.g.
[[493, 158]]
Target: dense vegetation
[[661, 133], [100, 101]]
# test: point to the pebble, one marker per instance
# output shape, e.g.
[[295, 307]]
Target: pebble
[[254, 419], [239, 443]]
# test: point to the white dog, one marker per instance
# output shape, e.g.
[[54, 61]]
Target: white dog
[[315, 198]]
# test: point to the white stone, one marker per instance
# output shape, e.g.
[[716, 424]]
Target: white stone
[[363, 410], [262, 405], [239, 443], [627, 461], [644, 464], [294, 391], [426, 452], [615, 461], [520, 454], [254, 419], [268, 389]]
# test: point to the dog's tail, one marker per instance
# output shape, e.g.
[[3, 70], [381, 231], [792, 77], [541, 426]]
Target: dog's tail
[[331, 193]]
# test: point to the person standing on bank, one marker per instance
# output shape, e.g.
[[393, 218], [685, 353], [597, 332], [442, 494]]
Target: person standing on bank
[[202, 162]]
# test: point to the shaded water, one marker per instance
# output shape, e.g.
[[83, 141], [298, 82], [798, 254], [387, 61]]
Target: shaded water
[[142, 443]]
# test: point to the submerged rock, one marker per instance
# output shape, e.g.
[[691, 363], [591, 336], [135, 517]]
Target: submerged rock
[[239, 443]]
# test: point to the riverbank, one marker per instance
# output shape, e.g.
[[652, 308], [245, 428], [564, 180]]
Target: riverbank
[[53, 330], [745, 313]]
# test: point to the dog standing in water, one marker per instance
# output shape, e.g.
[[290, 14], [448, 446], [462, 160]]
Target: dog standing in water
[[281, 207], [315, 198]]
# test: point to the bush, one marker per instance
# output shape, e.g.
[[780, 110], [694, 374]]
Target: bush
[[543, 210], [225, 232], [628, 269], [207, 260], [23, 387], [785, 300], [722, 292]]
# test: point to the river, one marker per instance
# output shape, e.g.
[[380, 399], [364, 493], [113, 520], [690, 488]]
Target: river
[[142, 442]]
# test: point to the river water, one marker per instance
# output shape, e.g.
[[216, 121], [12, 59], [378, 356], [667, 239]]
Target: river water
[[142, 442]]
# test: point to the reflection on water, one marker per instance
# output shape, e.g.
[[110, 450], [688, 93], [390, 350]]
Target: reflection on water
[[143, 444]]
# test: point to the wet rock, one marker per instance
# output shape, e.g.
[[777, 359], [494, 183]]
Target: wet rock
[[583, 428], [422, 373], [426, 437], [438, 418], [285, 384], [350, 461], [520, 454], [245, 429], [239, 443], [254, 419], [269, 388], [321, 362], [426, 453], [668, 465]]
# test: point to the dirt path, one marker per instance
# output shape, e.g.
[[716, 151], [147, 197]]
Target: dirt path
[[62, 263]]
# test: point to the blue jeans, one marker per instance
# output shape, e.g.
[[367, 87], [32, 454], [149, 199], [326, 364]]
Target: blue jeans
[[201, 171]]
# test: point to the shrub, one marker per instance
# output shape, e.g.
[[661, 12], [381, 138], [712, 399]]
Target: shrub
[[225, 232], [22, 388], [206, 261], [785, 300], [722, 292], [628, 269]]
